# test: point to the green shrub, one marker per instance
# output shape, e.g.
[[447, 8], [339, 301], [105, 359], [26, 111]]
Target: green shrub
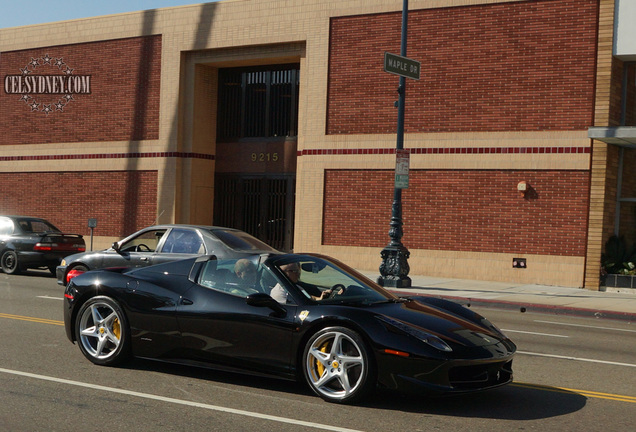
[[619, 258]]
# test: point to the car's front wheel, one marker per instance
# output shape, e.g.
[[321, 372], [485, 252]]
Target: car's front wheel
[[102, 331], [338, 365], [9, 262]]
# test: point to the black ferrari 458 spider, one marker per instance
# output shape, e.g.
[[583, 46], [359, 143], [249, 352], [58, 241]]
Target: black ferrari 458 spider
[[294, 316]]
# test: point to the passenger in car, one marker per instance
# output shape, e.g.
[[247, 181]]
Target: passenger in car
[[245, 270]]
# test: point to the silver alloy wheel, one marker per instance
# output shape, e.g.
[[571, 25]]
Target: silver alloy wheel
[[335, 365], [100, 330]]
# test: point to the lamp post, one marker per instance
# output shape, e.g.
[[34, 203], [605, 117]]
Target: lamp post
[[394, 269]]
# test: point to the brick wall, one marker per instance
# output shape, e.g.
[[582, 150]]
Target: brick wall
[[123, 104], [503, 67], [471, 211], [122, 201], [630, 117], [616, 89]]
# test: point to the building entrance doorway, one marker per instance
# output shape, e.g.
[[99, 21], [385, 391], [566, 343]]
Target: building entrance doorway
[[257, 116], [260, 205]]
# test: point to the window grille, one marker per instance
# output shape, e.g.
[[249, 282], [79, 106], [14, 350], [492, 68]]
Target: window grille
[[258, 103]]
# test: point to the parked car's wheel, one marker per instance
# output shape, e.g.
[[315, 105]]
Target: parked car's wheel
[[102, 331], [73, 271], [80, 268], [338, 365], [9, 262]]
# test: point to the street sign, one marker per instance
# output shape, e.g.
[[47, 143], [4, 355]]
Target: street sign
[[402, 169], [401, 66]]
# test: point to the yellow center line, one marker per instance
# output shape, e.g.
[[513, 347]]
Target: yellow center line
[[586, 393], [31, 319]]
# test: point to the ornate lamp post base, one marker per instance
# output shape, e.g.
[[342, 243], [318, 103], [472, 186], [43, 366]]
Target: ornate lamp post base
[[394, 269]]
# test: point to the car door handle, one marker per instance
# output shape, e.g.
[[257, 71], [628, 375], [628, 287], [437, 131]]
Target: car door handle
[[144, 258], [186, 302]]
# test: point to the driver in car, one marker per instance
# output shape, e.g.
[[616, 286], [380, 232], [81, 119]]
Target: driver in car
[[292, 271]]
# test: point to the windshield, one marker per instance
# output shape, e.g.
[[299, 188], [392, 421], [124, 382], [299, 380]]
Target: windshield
[[241, 241], [328, 281]]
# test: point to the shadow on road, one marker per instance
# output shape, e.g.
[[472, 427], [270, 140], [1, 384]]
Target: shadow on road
[[512, 402], [32, 272]]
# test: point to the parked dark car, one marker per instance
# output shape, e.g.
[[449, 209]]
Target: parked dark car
[[333, 328], [163, 243], [31, 242]]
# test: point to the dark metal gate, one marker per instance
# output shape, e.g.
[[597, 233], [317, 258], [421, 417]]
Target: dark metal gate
[[262, 205]]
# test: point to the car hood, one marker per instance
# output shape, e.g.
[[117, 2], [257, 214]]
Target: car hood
[[457, 327]]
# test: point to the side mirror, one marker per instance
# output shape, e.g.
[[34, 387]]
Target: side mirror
[[116, 246], [263, 300]]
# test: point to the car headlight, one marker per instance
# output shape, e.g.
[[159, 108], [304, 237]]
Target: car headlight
[[492, 327], [421, 335], [63, 263]]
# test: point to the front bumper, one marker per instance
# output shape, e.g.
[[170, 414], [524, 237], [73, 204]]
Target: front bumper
[[60, 274], [438, 377]]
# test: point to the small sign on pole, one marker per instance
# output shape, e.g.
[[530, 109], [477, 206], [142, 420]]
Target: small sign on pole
[[402, 66], [402, 160], [92, 224]]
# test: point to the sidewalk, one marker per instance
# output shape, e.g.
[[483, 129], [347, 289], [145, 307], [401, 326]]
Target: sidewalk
[[614, 304]]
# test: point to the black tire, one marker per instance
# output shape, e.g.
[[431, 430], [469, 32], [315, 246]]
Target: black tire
[[52, 269], [9, 262], [102, 332], [80, 267], [338, 366]]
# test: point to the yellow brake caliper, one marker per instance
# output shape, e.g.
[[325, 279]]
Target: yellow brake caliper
[[319, 366], [117, 328]]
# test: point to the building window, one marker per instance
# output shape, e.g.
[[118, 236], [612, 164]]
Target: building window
[[258, 102]]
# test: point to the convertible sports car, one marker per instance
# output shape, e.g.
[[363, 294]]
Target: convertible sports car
[[162, 243], [329, 325]]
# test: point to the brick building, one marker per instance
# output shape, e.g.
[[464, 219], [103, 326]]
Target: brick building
[[279, 119]]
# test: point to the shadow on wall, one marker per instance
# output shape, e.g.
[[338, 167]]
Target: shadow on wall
[[166, 203]]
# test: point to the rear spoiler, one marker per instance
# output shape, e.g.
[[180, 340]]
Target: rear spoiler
[[54, 234]]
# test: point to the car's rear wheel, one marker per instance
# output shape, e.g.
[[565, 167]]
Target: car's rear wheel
[[9, 262], [338, 365], [102, 331]]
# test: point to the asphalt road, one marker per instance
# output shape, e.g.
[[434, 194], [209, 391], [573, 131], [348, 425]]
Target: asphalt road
[[570, 374]]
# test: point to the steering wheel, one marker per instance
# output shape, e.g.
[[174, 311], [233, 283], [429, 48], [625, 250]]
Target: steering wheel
[[337, 289], [142, 248]]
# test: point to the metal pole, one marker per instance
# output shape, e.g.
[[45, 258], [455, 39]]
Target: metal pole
[[394, 269]]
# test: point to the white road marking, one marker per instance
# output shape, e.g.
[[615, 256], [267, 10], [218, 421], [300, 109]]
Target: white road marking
[[586, 326], [50, 298], [533, 333], [577, 359], [179, 401]]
